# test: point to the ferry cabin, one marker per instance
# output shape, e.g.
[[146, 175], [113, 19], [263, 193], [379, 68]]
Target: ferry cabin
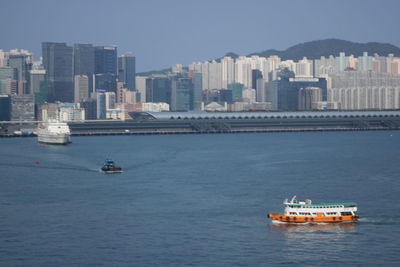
[[319, 210]]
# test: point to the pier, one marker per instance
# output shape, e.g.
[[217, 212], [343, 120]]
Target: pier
[[145, 123]]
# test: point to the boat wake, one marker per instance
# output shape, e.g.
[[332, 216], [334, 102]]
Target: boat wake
[[305, 223], [380, 220], [40, 165]]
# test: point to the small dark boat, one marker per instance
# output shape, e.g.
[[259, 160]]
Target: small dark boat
[[110, 167]]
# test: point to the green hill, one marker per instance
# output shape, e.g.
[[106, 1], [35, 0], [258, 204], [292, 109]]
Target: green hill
[[327, 47]]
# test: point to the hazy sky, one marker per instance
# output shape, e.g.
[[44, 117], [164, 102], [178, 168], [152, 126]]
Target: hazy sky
[[165, 32]]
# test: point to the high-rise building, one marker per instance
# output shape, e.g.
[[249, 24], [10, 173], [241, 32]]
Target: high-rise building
[[237, 91], [309, 97], [158, 89], [304, 68], [181, 94], [225, 95], [84, 62], [110, 100], [22, 108], [8, 81], [106, 63], [3, 58], [324, 66], [243, 72], [364, 62], [284, 93], [105, 81], [228, 71], [36, 80], [90, 107], [249, 95], [126, 96], [127, 71], [177, 68], [365, 90], [215, 75], [255, 75], [22, 62], [261, 90], [197, 90], [5, 107], [105, 59], [81, 88], [141, 87], [57, 61], [342, 62], [101, 107], [38, 86]]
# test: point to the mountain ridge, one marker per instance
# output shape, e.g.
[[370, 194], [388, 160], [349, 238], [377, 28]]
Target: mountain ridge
[[327, 47]]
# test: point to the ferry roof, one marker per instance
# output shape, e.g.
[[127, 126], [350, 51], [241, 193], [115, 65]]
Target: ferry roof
[[349, 204]]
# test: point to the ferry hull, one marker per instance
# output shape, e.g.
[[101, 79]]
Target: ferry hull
[[109, 172], [313, 219], [54, 139]]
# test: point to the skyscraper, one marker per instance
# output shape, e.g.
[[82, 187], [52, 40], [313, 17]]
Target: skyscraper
[[81, 88], [105, 60], [309, 97], [38, 86], [364, 62], [105, 81], [8, 80], [127, 71], [284, 93], [57, 60], [158, 89], [255, 75], [141, 87], [23, 64], [237, 91], [101, 105], [181, 94], [197, 90], [84, 62]]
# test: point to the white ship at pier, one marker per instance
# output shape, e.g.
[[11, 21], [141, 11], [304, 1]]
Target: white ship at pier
[[53, 132]]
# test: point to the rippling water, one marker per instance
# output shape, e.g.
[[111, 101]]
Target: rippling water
[[198, 200]]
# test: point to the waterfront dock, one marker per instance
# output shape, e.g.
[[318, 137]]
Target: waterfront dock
[[206, 123]]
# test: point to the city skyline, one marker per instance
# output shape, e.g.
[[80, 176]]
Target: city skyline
[[166, 33]]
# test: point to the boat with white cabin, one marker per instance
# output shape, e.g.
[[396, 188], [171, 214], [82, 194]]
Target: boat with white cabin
[[53, 132], [297, 211]]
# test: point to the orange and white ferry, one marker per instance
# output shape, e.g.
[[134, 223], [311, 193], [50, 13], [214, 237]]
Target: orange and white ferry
[[305, 212]]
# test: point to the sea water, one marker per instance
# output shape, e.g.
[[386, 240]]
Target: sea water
[[198, 200]]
